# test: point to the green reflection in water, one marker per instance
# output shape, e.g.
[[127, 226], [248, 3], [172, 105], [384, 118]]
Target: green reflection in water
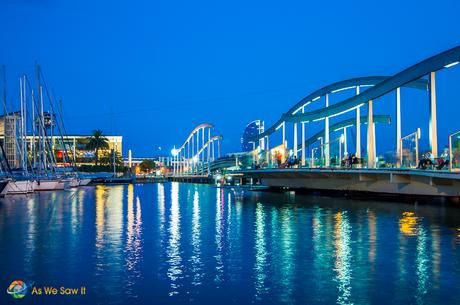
[[260, 252], [343, 257]]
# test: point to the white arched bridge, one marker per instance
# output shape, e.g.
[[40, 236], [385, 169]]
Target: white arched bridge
[[367, 90], [350, 168], [197, 152]]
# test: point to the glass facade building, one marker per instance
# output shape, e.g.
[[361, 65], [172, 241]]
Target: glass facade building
[[252, 129]]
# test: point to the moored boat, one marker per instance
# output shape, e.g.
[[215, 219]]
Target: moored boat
[[3, 184], [18, 187], [84, 181]]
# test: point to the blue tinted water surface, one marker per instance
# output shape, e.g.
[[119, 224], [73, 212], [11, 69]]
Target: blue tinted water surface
[[178, 243]]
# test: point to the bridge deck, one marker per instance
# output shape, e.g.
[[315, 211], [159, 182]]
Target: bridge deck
[[388, 181]]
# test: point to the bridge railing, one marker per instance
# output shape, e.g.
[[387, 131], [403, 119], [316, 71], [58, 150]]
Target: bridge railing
[[409, 153], [453, 154]]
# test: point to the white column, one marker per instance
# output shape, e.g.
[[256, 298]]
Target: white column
[[370, 137], [284, 134], [193, 145], [267, 151], [208, 151], [303, 140], [326, 135], [295, 139], [358, 128], [345, 145], [433, 130], [398, 126], [197, 145], [218, 148]]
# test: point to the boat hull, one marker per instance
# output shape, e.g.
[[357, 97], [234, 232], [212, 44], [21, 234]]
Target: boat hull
[[18, 187], [48, 185], [84, 181]]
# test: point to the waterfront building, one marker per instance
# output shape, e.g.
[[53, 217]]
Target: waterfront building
[[254, 128], [72, 148]]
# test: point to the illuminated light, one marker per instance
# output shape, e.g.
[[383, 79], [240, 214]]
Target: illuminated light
[[419, 133], [195, 159], [342, 89], [342, 138], [174, 152], [316, 98], [451, 64]]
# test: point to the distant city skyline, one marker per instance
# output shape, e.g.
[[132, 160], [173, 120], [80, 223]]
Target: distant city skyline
[[152, 71]]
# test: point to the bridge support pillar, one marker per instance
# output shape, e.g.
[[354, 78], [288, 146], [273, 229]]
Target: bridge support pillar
[[370, 137], [208, 152], [303, 140], [358, 128], [326, 136], [218, 149], [267, 151], [398, 126], [295, 140], [284, 135], [433, 130]]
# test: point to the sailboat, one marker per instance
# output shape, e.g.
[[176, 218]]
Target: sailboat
[[14, 183]]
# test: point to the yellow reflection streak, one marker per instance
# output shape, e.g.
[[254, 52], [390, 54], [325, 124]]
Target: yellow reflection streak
[[408, 224], [100, 217]]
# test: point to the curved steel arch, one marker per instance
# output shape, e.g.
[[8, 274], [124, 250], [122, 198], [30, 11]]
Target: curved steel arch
[[213, 139], [335, 87], [198, 127], [349, 122], [400, 79]]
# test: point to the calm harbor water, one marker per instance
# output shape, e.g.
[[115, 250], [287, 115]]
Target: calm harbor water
[[178, 243]]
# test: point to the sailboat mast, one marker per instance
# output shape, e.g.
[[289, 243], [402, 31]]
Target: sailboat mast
[[26, 157], [43, 132], [40, 135], [21, 129], [34, 156]]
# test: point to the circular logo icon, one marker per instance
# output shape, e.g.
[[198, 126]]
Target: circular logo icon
[[17, 289]]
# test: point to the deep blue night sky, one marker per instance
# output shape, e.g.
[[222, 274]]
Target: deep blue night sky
[[151, 70]]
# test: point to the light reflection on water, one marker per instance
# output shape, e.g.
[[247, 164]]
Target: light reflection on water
[[260, 268], [196, 244], [195, 259], [342, 234], [174, 257]]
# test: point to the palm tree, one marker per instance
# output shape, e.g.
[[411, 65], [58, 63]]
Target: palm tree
[[97, 142]]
